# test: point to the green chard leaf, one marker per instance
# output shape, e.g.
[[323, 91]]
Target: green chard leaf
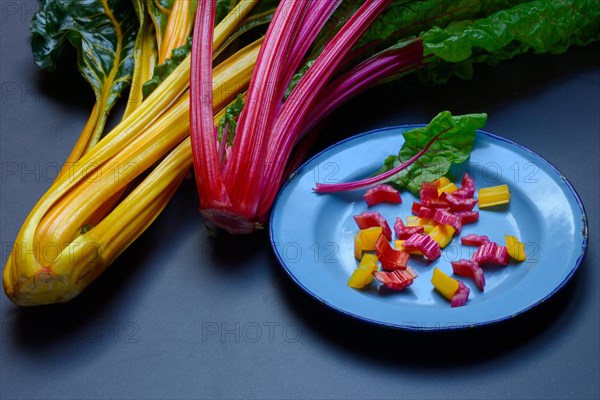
[[297, 77], [398, 24], [453, 146], [404, 19], [163, 70], [104, 34], [538, 26], [229, 120]]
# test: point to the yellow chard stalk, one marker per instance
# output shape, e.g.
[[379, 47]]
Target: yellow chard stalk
[[145, 57], [179, 27], [76, 231]]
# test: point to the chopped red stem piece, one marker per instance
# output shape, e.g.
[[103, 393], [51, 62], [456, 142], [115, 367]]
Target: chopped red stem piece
[[382, 193], [464, 193], [461, 296], [428, 191], [390, 258], [471, 269], [369, 219], [404, 232], [467, 190], [473, 239], [425, 212], [435, 203], [398, 279], [457, 203], [416, 206], [467, 217], [423, 243], [467, 181], [445, 217], [491, 253]]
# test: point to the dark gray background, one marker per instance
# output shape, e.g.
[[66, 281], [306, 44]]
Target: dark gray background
[[181, 315]]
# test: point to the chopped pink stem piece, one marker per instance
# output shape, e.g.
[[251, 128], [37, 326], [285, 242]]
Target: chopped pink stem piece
[[491, 253], [382, 193], [423, 243], [404, 232], [445, 217], [390, 258], [470, 269], [398, 279], [473, 239], [461, 296], [369, 219]]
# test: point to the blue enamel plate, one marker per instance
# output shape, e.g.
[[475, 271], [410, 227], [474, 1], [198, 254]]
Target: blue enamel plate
[[313, 234]]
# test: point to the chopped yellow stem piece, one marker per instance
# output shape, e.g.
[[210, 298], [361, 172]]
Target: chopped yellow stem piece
[[360, 278], [365, 240], [368, 262], [369, 237], [427, 223], [363, 275], [444, 284], [412, 220], [448, 188], [516, 249], [443, 181], [358, 251], [442, 234], [493, 196]]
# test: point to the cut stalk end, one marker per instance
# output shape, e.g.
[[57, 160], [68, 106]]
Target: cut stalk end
[[44, 287], [232, 222]]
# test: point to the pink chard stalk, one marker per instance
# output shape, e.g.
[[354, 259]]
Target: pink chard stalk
[[236, 192]]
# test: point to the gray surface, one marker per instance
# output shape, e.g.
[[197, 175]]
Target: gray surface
[[181, 315]]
